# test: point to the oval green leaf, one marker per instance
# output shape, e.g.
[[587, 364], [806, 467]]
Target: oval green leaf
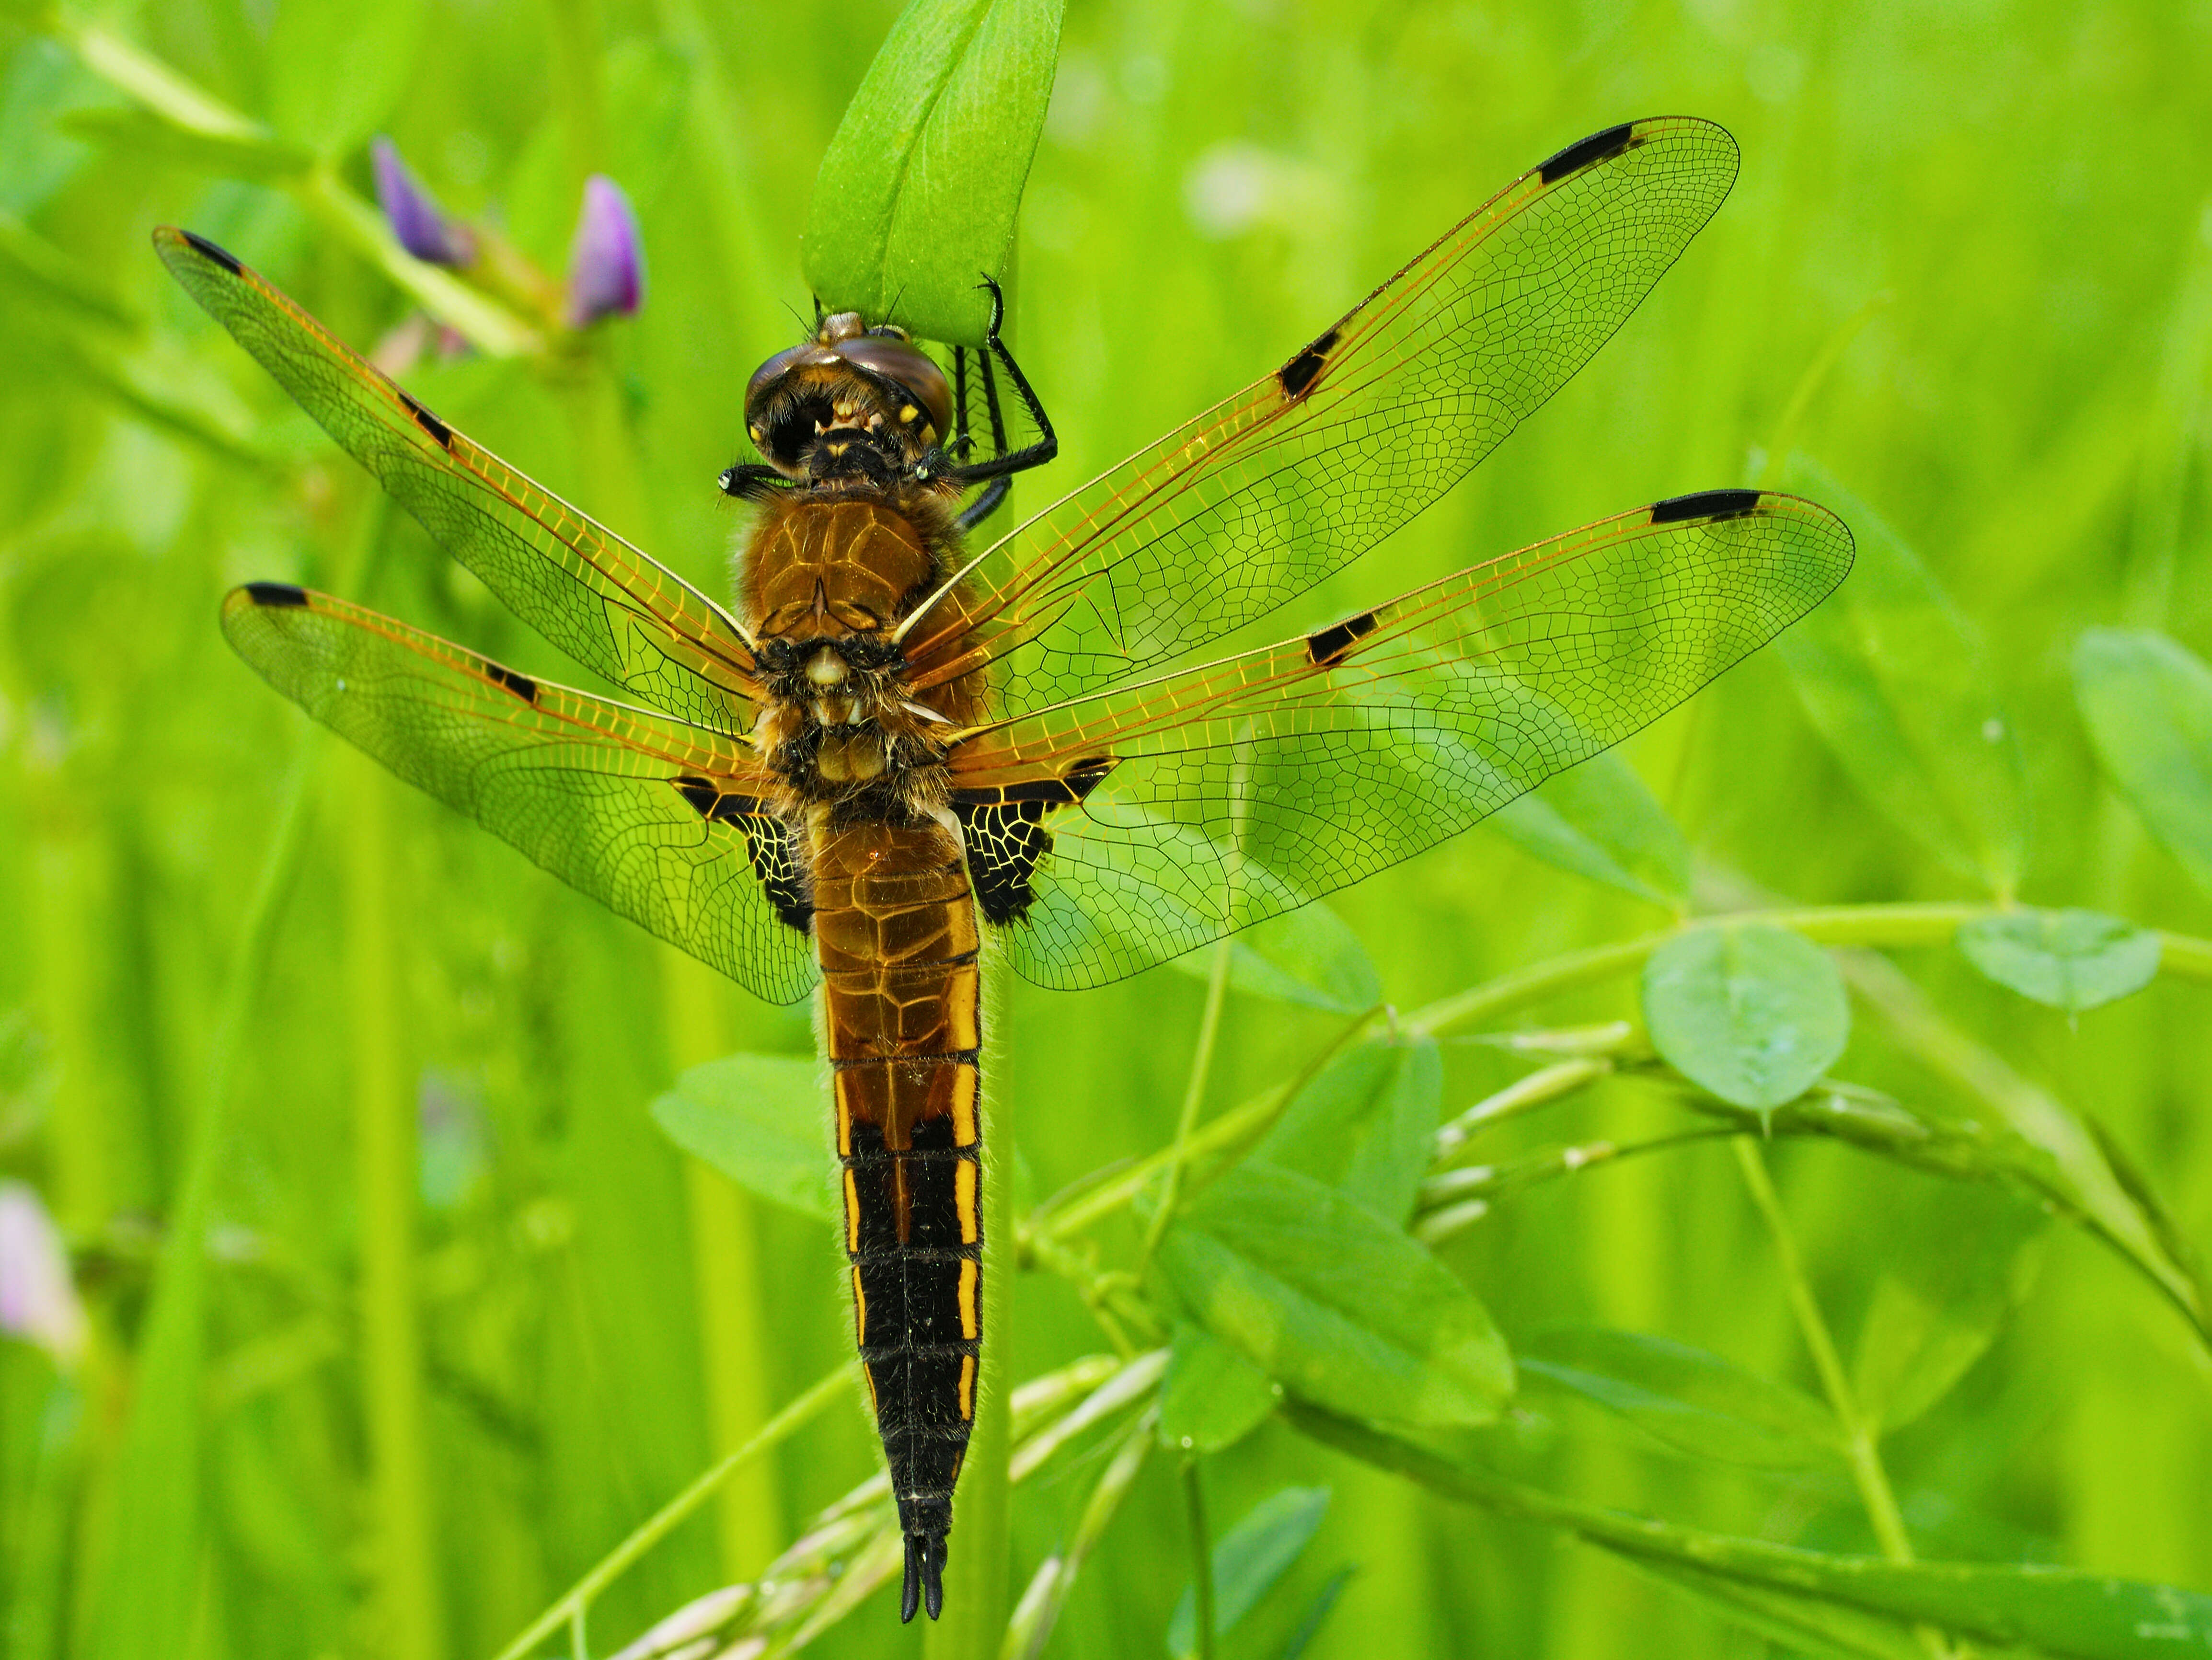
[[2147, 701], [916, 198], [2071, 959], [1752, 1013], [1317, 1291], [1211, 1397], [1893, 676], [757, 1119]]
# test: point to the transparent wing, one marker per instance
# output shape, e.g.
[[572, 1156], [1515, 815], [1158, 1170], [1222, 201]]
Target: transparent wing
[[1139, 823], [655, 819], [577, 583], [1257, 500]]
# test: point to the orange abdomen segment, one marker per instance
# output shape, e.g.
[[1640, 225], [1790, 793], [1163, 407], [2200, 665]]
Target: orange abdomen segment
[[895, 925]]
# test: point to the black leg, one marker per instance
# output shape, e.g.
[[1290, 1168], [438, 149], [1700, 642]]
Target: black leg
[[751, 482], [1047, 445], [984, 505]]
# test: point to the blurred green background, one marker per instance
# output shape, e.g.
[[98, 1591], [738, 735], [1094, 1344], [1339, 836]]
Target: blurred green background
[[465, 1316]]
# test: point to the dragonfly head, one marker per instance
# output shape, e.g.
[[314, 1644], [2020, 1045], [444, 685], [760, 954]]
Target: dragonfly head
[[853, 403]]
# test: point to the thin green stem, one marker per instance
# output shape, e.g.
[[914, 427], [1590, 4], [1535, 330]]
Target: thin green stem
[[568, 1610], [1202, 1559], [1862, 1438], [1201, 1063], [580, 1647]]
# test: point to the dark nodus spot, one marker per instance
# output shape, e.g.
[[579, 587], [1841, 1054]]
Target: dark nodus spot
[[276, 594], [430, 422], [1332, 645], [222, 256], [1303, 370], [1703, 504], [520, 685], [1598, 147]]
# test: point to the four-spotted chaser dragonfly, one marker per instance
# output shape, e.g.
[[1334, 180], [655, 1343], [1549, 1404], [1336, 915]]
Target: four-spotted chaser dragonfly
[[891, 743]]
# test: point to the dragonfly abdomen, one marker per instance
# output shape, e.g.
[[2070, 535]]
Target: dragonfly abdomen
[[895, 926]]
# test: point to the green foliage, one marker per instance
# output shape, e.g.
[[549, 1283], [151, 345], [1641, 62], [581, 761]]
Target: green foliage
[[2071, 959], [447, 1251], [1753, 1014], [918, 192], [757, 1119], [1248, 1560], [1315, 1291], [2147, 701]]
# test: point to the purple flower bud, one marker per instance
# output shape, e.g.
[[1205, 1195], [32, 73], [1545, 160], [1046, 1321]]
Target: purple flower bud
[[607, 267], [417, 219], [38, 1300]]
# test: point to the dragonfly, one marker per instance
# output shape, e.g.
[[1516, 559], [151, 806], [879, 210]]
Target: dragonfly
[[892, 745]]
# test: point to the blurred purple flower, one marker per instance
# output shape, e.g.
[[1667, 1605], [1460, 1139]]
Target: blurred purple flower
[[417, 219], [607, 267], [38, 1300]]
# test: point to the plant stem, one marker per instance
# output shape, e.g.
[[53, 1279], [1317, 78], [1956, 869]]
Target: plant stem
[[1201, 1063], [385, 1157], [578, 1597], [1862, 1439], [1202, 1559]]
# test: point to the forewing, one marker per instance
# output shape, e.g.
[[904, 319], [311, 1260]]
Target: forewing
[[576, 582], [1257, 500], [653, 818], [1175, 812]]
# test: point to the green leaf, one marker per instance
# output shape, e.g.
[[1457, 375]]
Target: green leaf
[[335, 68], [1799, 1625], [759, 1119], [2071, 959], [1600, 820], [1211, 1398], [1249, 1559], [2058, 1611], [1365, 1125], [1316, 1611], [2147, 701], [1752, 1012], [1318, 1292], [1308, 957], [250, 154], [916, 198], [1692, 1401], [1893, 676], [1942, 1294]]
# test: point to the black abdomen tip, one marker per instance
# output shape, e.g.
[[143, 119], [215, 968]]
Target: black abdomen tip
[[925, 1576]]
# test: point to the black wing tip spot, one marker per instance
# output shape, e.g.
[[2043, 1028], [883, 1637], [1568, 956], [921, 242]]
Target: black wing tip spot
[[1705, 504], [1333, 644], [430, 423], [520, 685], [1588, 152], [276, 595], [209, 250]]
